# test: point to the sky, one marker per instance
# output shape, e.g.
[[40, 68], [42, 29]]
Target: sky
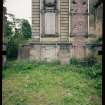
[[20, 8]]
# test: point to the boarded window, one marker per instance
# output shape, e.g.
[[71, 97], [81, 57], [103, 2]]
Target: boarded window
[[49, 23]]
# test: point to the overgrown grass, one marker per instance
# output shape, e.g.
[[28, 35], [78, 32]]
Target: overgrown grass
[[41, 83]]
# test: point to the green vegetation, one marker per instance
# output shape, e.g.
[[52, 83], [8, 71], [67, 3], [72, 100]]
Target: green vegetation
[[17, 32], [89, 61], [40, 83], [26, 29]]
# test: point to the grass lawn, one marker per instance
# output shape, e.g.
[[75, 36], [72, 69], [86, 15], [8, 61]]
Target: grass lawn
[[49, 84]]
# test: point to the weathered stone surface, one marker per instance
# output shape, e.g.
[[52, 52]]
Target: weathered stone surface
[[23, 52], [64, 22], [47, 52]]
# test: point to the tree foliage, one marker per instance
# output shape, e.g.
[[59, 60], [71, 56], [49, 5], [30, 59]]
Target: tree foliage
[[12, 49], [26, 28], [17, 31], [8, 29]]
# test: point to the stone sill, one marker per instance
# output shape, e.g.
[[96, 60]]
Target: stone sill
[[49, 36]]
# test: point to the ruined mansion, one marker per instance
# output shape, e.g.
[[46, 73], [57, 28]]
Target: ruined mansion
[[63, 29]]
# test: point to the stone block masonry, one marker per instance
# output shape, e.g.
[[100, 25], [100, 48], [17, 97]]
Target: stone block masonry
[[59, 30]]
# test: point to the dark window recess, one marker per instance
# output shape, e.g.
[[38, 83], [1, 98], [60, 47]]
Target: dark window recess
[[4, 52], [99, 52]]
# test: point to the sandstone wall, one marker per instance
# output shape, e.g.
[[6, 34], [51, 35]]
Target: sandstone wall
[[52, 52]]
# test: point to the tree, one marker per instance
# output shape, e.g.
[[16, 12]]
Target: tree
[[26, 29], [17, 32], [8, 29], [12, 49]]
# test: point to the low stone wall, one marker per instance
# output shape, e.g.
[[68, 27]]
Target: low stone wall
[[24, 52], [52, 52]]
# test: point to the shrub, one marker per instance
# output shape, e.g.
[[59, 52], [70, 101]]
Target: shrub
[[99, 59], [74, 61], [91, 61], [55, 62], [95, 71], [12, 49]]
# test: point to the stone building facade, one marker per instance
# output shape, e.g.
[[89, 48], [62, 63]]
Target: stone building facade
[[60, 30]]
